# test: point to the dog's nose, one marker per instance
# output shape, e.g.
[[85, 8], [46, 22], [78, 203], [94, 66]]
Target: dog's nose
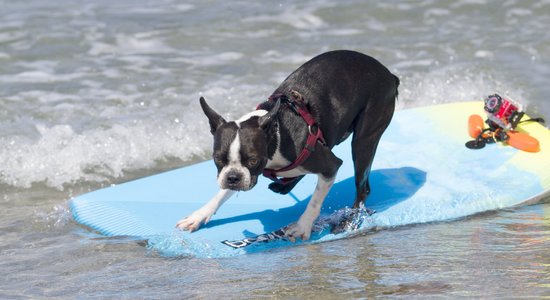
[[233, 178]]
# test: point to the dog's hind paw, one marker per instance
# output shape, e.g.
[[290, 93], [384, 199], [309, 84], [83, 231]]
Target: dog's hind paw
[[351, 219]]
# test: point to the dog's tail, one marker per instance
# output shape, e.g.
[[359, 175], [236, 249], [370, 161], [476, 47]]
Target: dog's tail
[[397, 82]]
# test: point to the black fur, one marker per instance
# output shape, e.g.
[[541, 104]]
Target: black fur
[[346, 92]]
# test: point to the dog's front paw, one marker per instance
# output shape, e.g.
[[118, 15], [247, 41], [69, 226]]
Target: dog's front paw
[[298, 230], [278, 188], [194, 221], [285, 188]]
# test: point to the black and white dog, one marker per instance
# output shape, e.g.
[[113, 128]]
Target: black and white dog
[[325, 100]]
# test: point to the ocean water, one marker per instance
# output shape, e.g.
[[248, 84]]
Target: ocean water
[[94, 93]]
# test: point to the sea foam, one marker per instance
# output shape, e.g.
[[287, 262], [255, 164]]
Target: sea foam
[[61, 156]]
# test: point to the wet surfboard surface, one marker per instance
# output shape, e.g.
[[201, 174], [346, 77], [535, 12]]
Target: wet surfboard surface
[[422, 173]]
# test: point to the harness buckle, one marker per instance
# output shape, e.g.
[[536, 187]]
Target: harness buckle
[[312, 127]]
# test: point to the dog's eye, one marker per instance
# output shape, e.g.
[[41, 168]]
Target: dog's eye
[[252, 162], [218, 160]]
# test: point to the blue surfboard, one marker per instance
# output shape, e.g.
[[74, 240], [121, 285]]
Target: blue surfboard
[[422, 173]]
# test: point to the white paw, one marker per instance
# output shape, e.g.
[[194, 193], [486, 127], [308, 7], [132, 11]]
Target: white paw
[[194, 221], [301, 230]]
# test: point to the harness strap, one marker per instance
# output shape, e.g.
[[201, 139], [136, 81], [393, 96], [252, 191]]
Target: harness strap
[[315, 135]]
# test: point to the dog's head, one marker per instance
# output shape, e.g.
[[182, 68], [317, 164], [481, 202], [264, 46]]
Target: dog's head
[[241, 146]]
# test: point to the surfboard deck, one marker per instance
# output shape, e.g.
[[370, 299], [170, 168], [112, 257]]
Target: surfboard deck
[[422, 173]]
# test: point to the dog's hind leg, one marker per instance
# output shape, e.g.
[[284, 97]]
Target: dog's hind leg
[[369, 127]]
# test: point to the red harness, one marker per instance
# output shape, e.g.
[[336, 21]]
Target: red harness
[[315, 135]]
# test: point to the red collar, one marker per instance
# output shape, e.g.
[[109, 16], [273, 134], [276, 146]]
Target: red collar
[[297, 104]]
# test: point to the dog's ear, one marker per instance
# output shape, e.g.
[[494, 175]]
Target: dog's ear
[[214, 118], [266, 119]]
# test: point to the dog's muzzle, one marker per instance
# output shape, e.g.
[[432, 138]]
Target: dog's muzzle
[[237, 181]]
